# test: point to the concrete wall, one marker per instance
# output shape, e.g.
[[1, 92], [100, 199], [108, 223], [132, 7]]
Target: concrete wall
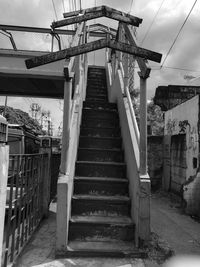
[[181, 153]]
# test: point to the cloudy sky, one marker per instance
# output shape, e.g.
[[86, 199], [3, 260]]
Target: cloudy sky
[[184, 58]]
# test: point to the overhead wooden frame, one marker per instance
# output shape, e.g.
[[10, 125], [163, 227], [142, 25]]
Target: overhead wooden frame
[[97, 12], [144, 69], [92, 46]]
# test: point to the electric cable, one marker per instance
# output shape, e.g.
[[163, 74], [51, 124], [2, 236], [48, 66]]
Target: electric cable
[[131, 6], [179, 33], [150, 26]]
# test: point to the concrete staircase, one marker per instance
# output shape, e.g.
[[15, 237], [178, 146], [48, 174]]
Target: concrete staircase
[[100, 223]]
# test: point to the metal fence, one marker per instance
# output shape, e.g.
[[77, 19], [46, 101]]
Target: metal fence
[[27, 176]]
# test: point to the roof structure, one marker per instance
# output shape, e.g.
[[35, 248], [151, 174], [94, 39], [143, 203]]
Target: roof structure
[[167, 97]]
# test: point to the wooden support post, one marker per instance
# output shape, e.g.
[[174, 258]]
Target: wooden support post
[[4, 160], [66, 125], [143, 126]]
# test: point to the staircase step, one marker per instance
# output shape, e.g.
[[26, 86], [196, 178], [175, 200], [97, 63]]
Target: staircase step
[[95, 205], [100, 132], [100, 105], [100, 155], [100, 186], [100, 169], [100, 122], [98, 230], [96, 99], [100, 142], [99, 97], [119, 249], [101, 114]]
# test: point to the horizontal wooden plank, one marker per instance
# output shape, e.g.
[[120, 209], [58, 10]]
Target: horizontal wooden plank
[[78, 19], [123, 17], [85, 11], [97, 12], [92, 46], [145, 70], [136, 51], [69, 52]]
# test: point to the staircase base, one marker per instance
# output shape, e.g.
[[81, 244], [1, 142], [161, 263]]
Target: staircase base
[[102, 249]]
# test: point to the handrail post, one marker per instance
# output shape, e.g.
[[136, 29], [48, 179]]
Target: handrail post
[[66, 125], [143, 125]]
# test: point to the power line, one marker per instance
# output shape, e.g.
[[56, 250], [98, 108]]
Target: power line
[[178, 33], [54, 9], [148, 30], [131, 6]]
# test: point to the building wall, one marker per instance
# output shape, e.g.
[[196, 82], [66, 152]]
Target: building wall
[[181, 151]]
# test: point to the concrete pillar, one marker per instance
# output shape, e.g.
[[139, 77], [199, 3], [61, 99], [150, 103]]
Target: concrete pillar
[[66, 125], [4, 161], [143, 126]]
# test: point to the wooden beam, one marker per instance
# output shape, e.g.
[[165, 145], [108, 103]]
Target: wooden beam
[[98, 12], [78, 19], [69, 52], [86, 11], [71, 14], [122, 17], [145, 70], [136, 51], [102, 26], [92, 46]]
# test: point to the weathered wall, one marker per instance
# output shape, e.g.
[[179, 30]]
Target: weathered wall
[[181, 124], [155, 160]]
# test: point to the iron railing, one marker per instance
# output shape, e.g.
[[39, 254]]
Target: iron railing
[[24, 203]]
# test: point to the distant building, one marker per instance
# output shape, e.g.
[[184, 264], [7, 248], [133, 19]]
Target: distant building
[[181, 172]]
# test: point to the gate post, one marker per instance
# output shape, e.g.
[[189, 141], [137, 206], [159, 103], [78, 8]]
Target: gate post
[[145, 184], [66, 125]]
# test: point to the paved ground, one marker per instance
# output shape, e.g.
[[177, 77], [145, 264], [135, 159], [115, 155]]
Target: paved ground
[[173, 231]]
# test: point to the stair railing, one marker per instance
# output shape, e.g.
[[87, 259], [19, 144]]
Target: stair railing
[[75, 71], [119, 68]]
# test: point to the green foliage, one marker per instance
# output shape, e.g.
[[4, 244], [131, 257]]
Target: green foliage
[[17, 116], [155, 116]]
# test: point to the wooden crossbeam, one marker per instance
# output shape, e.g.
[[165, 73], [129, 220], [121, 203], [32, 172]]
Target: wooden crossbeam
[[78, 19], [98, 12], [145, 70], [102, 26], [86, 11], [92, 46]]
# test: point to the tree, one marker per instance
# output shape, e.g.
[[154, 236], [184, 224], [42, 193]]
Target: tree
[[155, 118], [17, 116]]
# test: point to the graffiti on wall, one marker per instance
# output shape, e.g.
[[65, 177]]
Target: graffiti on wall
[[182, 127], [176, 127]]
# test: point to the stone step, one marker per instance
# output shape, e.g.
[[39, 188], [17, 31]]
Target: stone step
[[99, 123], [96, 99], [100, 169], [100, 105], [100, 186], [95, 205], [91, 228], [100, 142], [101, 114], [100, 132], [119, 249], [104, 155], [102, 97]]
